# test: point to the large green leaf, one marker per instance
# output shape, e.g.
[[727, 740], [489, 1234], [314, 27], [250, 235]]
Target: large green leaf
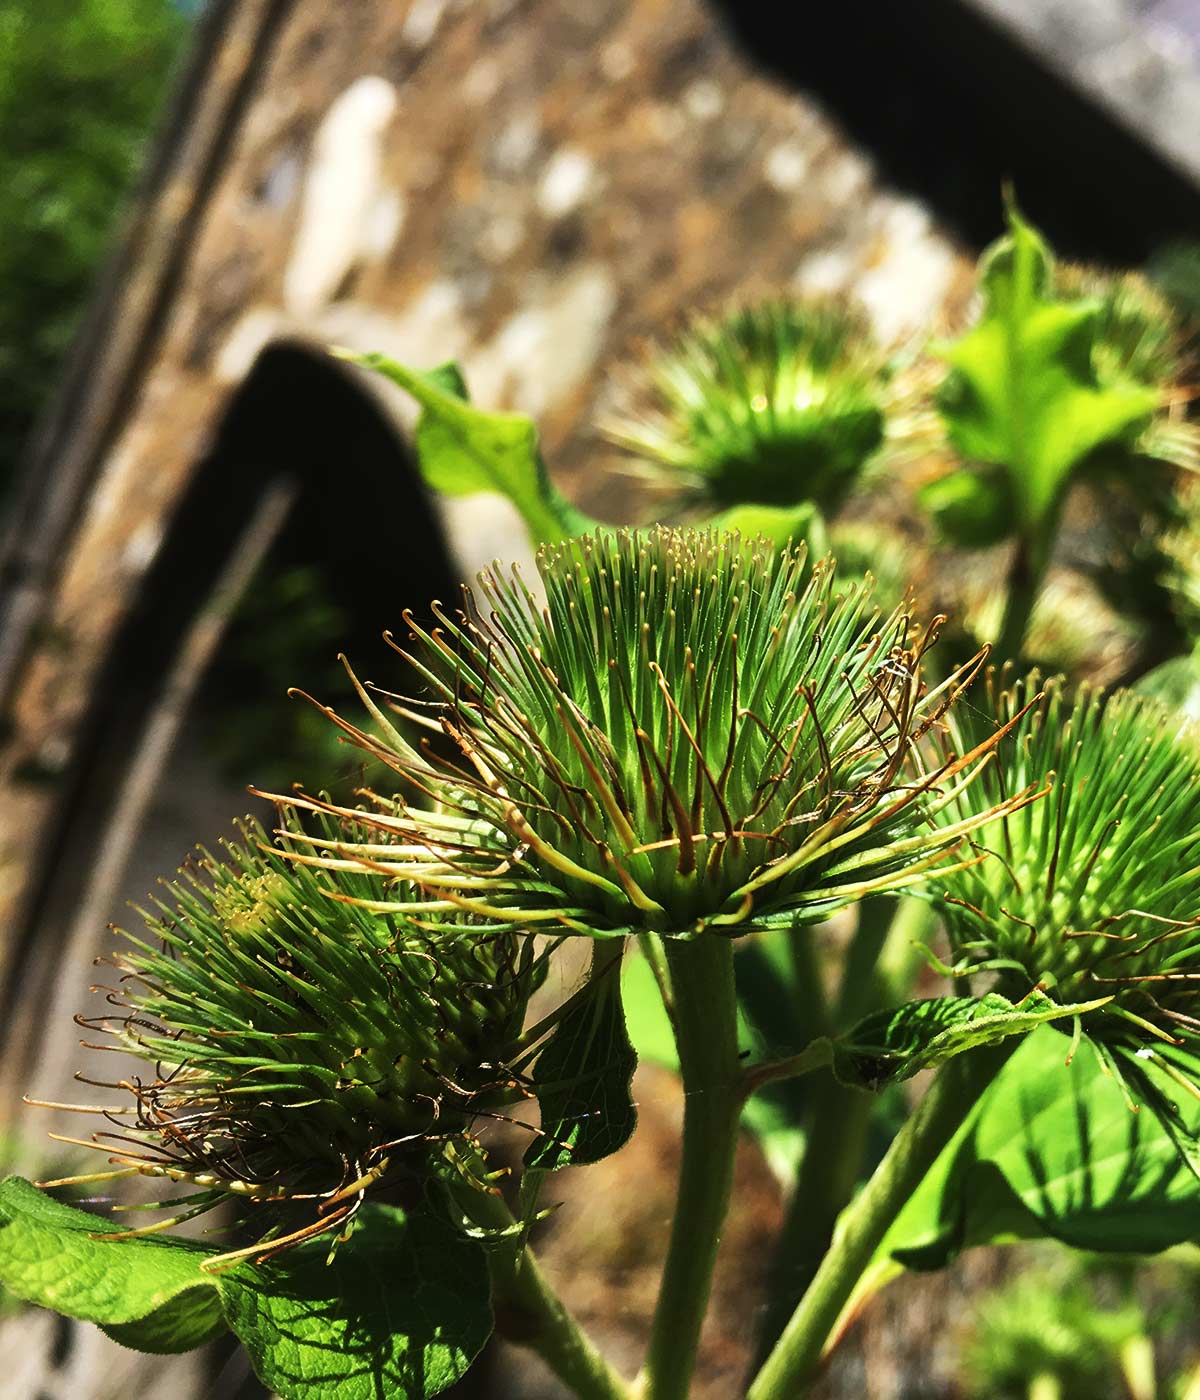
[[582, 1081], [150, 1294], [1052, 1149], [402, 1310], [893, 1045], [648, 1025], [463, 450], [1023, 393]]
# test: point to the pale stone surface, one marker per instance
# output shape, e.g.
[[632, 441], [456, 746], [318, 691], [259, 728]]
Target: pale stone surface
[[1138, 58], [342, 194]]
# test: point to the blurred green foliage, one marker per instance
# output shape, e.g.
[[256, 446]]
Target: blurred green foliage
[[81, 83]]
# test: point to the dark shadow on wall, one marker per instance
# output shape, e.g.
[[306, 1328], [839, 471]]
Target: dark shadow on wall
[[951, 108], [356, 513]]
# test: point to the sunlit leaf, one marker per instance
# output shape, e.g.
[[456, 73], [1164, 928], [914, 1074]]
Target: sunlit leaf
[[782, 525], [463, 450], [1023, 392], [149, 1293], [895, 1044], [1052, 1149], [402, 1310]]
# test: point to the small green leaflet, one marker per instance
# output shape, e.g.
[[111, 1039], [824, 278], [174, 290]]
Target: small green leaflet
[[895, 1044], [150, 1293], [782, 525], [1176, 683], [582, 1081], [402, 1311], [1023, 394], [1053, 1150], [463, 450]]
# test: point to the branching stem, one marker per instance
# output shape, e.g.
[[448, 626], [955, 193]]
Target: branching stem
[[792, 1366], [530, 1313]]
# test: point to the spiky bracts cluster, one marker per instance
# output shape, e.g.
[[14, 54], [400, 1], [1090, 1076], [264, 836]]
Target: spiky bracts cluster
[[1093, 891], [1139, 338], [778, 403], [301, 1049], [686, 737], [1181, 561]]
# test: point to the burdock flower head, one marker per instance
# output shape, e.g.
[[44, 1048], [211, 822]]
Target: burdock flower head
[[686, 737], [777, 403], [301, 1050], [1093, 891]]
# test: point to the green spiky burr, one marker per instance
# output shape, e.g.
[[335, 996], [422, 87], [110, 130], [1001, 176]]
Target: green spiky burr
[[777, 403], [1094, 890], [302, 1051], [687, 737]]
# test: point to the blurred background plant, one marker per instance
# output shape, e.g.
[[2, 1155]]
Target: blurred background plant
[[1067, 1327], [82, 83], [779, 402]]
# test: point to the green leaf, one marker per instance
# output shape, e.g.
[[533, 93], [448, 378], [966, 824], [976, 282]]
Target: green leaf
[[782, 525], [1052, 1149], [646, 1020], [1175, 683], [463, 450], [973, 509], [148, 1293], [1154, 1086], [892, 1045], [582, 1080], [402, 1310], [1023, 393]]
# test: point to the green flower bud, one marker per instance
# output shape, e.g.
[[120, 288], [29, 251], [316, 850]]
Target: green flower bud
[[301, 1049], [686, 737], [1094, 890], [778, 403]]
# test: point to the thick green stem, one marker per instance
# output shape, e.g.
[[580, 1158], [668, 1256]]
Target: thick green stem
[[530, 1313], [706, 1026], [1030, 560], [793, 1365]]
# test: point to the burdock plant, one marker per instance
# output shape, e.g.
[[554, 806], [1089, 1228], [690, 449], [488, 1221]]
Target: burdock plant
[[299, 1053], [686, 742], [1094, 893], [687, 739], [684, 738], [777, 403]]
